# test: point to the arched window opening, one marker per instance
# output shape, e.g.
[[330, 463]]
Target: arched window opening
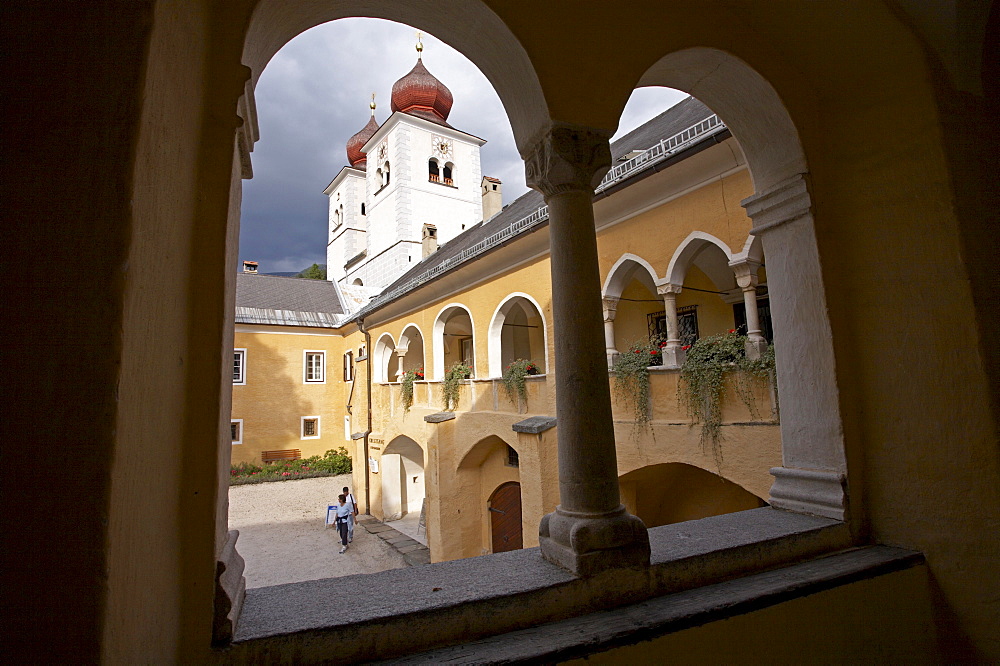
[[448, 169], [385, 174], [433, 172], [670, 493], [517, 332], [385, 360], [454, 340], [358, 282], [410, 351], [402, 472]]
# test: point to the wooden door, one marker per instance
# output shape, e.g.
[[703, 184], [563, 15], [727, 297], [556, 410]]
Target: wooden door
[[504, 508]]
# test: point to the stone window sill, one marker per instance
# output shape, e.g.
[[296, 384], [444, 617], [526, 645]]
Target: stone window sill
[[403, 611]]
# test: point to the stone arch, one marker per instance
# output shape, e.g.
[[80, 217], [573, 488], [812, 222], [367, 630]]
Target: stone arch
[[449, 323], [813, 478], [537, 345], [687, 253], [505, 63], [411, 343], [402, 475], [667, 493], [383, 356], [481, 471], [627, 267]]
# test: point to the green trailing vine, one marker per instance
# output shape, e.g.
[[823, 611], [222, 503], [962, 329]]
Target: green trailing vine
[[702, 380], [406, 387], [631, 371], [514, 379], [451, 387]]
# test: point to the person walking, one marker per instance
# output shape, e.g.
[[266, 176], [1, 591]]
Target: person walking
[[345, 520], [354, 512]]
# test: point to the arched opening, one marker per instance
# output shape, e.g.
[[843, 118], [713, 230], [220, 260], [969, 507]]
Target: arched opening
[[358, 282], [411, 349], [631, 303], [402, 472], [701, 267], [669, 493], [485, 518], [362, 209], [433, 172], [454, 340], [518, 331], [385, 175], [384, 361], [448, 174]]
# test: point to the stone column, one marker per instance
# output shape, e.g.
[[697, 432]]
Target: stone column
[[400, 355], [812, 478], [610, 310], [590, 531], [673, 355], [746, 278]]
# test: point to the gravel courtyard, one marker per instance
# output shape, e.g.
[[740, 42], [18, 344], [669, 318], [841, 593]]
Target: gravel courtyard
[[284, 540]]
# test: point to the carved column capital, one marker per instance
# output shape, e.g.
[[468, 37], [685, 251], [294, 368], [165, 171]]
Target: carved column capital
[[746, 273], [568, 158], [668, 288], [610, 306]]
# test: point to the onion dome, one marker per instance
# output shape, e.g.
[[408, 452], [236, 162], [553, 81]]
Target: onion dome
[[420, 94], [355, 157]]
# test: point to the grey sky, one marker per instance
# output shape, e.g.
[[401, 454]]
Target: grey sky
[[314, 95]]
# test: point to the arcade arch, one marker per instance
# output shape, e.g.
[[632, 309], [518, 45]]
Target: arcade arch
[[410, 350], [402, 474], [490, 473], [668, 493], [517, 331], [384, 360], [454, 339]]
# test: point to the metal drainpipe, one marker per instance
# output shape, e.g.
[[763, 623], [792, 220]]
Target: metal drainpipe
[[368, 431]]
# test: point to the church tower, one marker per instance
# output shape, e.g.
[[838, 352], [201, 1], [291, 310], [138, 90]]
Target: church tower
[[413, 172]]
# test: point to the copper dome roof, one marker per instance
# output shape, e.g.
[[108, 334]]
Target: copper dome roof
[[355, 157], [420, 94]]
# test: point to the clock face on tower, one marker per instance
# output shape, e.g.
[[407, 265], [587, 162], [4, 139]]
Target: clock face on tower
[[441, 146], [383, 150]]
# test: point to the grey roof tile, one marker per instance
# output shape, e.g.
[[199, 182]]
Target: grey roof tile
[[268, 299]]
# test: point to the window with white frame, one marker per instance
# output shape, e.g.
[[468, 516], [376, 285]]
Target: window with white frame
[[315, 367], [239, 366], [236, 430], [310, 427]]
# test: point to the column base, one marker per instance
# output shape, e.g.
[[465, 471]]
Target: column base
[[673, 357], [585, 544], [755, 348], [813, 491], [612, 357], [230, 589]]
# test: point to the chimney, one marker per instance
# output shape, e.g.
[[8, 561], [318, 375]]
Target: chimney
[[429, 239], [492, 197], [249, 266]]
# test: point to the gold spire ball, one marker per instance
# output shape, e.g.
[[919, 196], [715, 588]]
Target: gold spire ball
[[372, 105], [420, 46]]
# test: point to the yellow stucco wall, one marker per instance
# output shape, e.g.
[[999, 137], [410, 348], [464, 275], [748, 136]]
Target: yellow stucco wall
[[276, 396]]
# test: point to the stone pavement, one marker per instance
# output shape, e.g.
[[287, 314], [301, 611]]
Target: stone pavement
[[413, 551]]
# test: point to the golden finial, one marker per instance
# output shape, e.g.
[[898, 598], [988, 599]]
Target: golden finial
[[372, 105], [420, 46]]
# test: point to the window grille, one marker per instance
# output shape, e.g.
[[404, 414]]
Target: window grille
[[687, 324], [512, 458], [309, 428]]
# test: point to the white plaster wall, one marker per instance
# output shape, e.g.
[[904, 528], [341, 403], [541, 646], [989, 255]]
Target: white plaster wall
[[345, 240]]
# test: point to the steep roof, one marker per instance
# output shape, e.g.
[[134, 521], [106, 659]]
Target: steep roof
[[507, 224], [285, 301]]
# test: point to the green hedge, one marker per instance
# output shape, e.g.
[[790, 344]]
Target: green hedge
[[334, 463]]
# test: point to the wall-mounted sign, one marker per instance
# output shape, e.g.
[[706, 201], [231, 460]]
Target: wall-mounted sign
[[373, 465]]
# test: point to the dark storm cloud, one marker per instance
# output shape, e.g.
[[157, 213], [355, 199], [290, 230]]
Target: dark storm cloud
[[314, 95]]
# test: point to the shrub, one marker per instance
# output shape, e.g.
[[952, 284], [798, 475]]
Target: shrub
[[513, 379], [406, 387], [333, 463], [451, 387], [631, 370]]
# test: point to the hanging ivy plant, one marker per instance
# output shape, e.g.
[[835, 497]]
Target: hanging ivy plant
[[513, 380], [406, 387], [702, 380], [631, 370], [451, 387]]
